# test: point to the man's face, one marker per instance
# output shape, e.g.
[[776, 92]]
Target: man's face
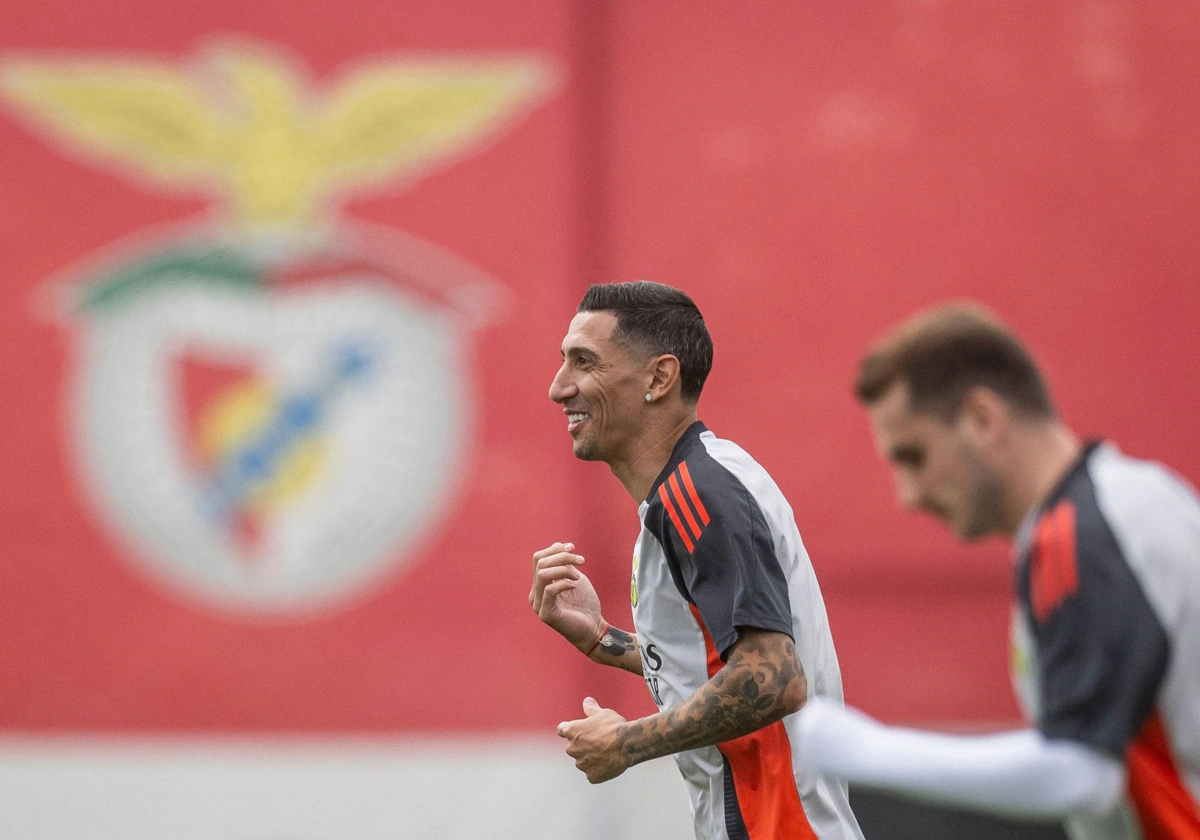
[[601, 386], [939, 467]]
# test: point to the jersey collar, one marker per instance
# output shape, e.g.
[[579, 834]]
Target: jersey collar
[[1025, 532], [683, 447]]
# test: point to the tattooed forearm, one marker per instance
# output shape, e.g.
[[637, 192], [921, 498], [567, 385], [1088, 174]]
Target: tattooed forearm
[[620, 649], [761, 682]]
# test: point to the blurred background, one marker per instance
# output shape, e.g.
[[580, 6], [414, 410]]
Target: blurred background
[[282, 294]]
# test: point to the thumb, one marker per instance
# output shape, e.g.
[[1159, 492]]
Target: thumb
[[590, 707]]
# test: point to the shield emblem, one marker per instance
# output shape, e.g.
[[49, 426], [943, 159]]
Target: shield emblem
[[272, 435], [271, 412]]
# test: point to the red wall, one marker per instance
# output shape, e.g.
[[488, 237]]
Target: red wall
[[815, 172], [810, 173]]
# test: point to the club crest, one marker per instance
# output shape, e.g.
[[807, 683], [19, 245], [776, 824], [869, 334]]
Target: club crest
[[271, 409]]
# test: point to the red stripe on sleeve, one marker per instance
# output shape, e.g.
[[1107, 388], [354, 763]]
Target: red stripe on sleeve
[[683, 508], [692, 494], [1040, 584], [1165, 808], [1054, 575], [1068, 558], [662, 494]]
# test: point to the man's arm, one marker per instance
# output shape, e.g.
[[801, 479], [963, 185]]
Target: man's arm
[[1014, 774], [761, 682], [564, 598]]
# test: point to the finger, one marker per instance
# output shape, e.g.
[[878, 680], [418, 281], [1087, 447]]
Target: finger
[[552, 591], [557, 558], [552, 549], [561, 558], [556, 588], [564, 729], [591, 707], [551, 594], [544, 577]]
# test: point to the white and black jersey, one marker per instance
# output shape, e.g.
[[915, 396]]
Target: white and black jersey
[[1107, 635], [719, 551]]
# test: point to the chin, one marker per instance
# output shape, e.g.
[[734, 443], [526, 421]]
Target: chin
[[585, 450], [974, 531]]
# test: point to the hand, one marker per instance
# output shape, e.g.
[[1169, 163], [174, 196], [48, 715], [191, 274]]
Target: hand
[[594, 742], [564, 598]]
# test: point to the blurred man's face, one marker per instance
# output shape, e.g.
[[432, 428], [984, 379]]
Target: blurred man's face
[[601, 386], [939, 467]]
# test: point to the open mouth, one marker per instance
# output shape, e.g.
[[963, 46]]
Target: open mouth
[[575, 420]]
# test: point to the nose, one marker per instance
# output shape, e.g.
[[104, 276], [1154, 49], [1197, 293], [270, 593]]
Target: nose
[[561, 387]]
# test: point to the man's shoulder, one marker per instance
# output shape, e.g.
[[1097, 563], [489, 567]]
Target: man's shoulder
[[1122, 481], [730, 469], [1118, 527], [1103, 482], [1132, 501], [704, 483], [1154, 517], [719, 471]]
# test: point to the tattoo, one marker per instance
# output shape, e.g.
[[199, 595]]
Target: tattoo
[[762, 681], [616, 643], [619, 649]]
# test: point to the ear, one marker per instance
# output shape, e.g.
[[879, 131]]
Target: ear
[[664, 373], [984, 416]]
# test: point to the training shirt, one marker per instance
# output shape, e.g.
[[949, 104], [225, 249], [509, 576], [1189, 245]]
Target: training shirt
[[1106, 634], [719, 550]]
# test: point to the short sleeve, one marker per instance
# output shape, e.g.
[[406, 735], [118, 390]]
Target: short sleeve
[[1102, 652], [725, 554]]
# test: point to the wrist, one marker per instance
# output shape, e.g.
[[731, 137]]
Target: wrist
[[623, 734], [595, 644], [636, 743]]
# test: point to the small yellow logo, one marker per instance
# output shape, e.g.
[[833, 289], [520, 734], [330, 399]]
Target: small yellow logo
[[1018, 660], [633, 583]]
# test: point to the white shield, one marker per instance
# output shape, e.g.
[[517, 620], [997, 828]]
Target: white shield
[[371, 373]]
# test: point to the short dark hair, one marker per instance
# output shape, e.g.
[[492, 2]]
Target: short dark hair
[[661, 320], [943, 352]]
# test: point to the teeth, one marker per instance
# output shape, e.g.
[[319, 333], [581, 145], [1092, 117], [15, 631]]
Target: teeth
[[575, 418]]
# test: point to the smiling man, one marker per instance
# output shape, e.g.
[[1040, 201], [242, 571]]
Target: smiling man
[[1106, 629], [730, 632]]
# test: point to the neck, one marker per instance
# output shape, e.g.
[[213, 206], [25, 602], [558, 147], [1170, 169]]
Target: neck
[[1044, 454], [638, 471]]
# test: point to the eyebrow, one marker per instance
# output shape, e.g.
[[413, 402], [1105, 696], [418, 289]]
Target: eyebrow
[[579, 351]]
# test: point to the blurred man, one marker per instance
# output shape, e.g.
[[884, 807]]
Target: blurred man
[[1106, 632], [730, 629]]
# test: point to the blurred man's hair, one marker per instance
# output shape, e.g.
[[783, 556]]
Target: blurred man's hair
[[944, 352], [659, 320]]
